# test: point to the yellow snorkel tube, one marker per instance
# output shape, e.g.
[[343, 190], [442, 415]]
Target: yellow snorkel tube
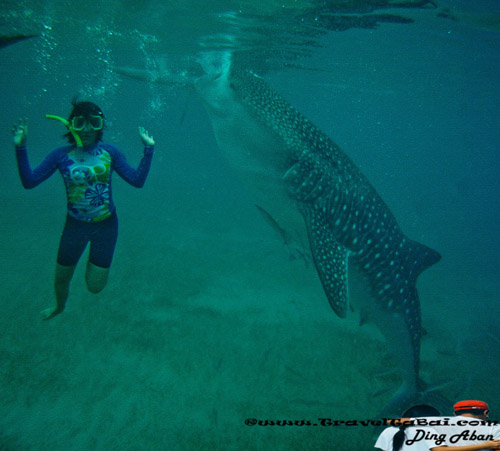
[[78, 140]]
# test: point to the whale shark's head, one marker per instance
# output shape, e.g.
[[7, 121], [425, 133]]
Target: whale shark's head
[[215, 86]]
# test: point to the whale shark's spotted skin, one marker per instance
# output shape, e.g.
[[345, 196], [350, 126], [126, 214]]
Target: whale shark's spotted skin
[[346, 220], [294, 167]]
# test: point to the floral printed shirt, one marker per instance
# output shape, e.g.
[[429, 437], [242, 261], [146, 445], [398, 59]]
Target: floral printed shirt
[[87, 176]]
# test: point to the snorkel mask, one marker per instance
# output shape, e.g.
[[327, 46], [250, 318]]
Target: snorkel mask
[[96, 123], [84, 116]]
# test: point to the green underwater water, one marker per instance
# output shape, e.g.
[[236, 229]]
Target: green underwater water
[[206, 322], [147, 365], [181, 349]]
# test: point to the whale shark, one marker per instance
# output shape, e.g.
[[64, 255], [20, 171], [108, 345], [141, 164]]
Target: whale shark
[[314, 190]]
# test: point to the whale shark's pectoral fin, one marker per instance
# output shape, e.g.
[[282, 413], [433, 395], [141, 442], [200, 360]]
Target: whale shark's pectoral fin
[[330, 258], [306, 181]]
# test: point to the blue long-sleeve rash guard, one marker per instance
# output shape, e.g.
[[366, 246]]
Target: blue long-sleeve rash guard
[[88, 182]]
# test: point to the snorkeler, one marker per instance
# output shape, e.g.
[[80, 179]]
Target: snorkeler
[[86, 165]]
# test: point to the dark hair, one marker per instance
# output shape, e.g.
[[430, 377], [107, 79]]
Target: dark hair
[[86, 109], [422, 410]]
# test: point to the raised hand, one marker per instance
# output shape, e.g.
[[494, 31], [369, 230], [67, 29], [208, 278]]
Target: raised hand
[[20, 132], [145, 138]]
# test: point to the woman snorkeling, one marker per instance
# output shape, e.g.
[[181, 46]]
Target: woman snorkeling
[[86, 165]]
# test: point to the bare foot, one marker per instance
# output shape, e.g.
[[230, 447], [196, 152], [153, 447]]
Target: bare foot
[[49, 313]]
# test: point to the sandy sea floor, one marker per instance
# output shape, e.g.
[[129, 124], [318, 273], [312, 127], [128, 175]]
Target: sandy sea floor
[[198, 330]]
